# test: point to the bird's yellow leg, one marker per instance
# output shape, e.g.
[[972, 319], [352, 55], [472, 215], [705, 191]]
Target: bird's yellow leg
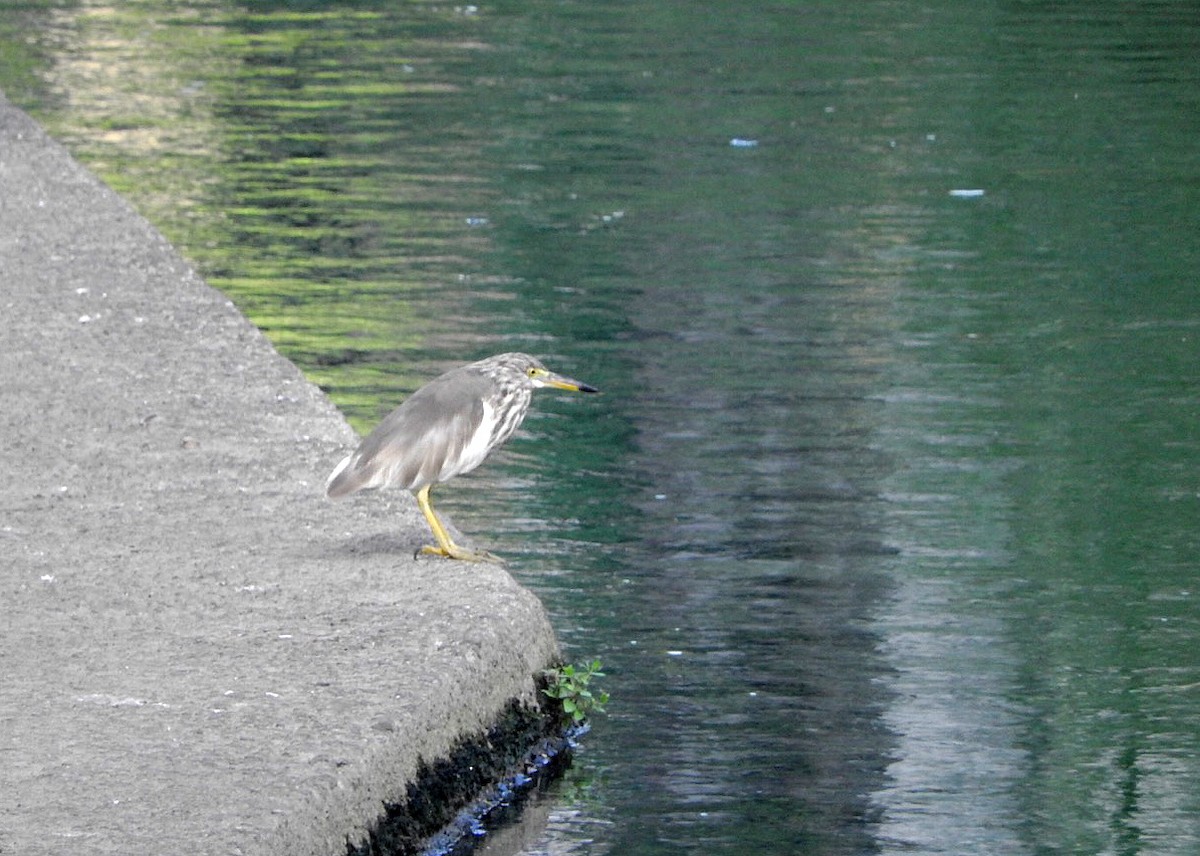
[[446, 546]]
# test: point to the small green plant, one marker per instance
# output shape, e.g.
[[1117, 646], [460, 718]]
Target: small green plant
[[570, 685]]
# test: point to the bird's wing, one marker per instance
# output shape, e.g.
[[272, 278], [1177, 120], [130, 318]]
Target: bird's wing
[[420, 442]]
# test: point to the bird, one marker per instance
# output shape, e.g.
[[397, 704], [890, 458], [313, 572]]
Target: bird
[[446, 428]]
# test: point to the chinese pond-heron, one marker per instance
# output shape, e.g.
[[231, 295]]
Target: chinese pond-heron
[[446, 428]]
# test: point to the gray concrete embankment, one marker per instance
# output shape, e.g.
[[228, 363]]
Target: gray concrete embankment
[[198, 653]]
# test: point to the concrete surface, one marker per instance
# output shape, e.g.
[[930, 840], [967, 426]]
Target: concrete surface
[[199, 654]]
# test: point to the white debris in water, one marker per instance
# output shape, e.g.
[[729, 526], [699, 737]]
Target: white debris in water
[[966, 193]]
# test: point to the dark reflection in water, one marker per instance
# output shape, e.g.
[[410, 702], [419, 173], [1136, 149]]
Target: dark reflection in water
[[886, 526]]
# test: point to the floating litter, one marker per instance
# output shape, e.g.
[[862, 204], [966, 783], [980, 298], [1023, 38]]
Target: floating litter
[[966, 193], [740, 143]]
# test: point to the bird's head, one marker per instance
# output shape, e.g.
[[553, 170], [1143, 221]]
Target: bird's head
[[537, 375]]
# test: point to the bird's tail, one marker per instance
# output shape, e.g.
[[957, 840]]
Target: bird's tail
[[344, 480]]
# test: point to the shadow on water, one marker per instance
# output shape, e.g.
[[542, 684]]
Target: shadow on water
[[885, 526]]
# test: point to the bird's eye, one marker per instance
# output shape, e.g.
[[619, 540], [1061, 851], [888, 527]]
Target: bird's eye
[[532, 372]]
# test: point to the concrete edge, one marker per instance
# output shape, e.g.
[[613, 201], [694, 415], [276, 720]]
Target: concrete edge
[[203, 655]]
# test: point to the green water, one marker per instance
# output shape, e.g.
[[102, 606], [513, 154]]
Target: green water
[[886, 528]]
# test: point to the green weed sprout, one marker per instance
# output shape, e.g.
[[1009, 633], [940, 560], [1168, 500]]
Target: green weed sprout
[[570, 685]]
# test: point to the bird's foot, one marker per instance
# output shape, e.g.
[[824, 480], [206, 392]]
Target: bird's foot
[[463, 555]]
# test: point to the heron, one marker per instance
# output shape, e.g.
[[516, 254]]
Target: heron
[[446, 428]]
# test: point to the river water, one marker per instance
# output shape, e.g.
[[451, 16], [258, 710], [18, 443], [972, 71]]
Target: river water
[[886, 527]]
